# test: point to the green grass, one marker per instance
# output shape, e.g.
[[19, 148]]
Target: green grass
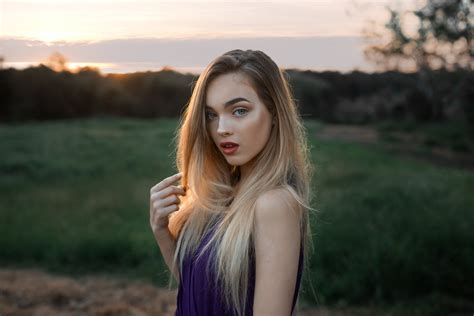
[[457, 137], [74, 199], [74, 194]]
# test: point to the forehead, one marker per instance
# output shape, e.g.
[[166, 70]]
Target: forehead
[[229, 86]]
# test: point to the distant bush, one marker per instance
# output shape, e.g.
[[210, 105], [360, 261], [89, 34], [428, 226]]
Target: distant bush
[[314, 95], [419, 105], [39, 93], [465, 93]]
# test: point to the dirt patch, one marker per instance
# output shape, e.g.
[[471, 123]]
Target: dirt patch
[[406, 144], [361, 134], [32, 292]]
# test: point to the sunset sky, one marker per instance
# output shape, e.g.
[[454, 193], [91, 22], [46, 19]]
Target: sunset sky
[[123, 36]]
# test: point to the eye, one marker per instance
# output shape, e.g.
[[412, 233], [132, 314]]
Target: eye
[[209, 115], [241, 109]]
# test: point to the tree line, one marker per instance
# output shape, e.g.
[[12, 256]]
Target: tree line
[[41, 93]]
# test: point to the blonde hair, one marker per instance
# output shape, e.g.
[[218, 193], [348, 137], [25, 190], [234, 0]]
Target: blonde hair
[[283, 164]]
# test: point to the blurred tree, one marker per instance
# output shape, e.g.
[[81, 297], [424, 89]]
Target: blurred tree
[[443, 38], [2, 60], [57, 62]]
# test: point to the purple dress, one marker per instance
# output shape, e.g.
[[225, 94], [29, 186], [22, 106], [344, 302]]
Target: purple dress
[[199, 295]]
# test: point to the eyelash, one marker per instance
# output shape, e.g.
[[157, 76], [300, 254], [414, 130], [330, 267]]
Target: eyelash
[[207, 112]]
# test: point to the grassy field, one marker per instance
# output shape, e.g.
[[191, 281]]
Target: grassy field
[[455, 136], [390, 231]]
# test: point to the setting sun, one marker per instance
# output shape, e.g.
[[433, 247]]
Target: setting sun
[[50, 37]]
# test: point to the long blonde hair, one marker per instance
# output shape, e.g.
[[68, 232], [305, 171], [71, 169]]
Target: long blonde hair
[[209, 180]]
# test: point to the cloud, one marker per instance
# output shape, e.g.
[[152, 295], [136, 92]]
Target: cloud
[[99, 20], [334, 53]]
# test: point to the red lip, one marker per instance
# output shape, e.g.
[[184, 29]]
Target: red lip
[[229, 150], [224, 144]]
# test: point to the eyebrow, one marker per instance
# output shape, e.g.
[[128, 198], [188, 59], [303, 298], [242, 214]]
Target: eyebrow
[[230, 102]]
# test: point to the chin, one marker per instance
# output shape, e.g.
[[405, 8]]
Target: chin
[[234, 161]]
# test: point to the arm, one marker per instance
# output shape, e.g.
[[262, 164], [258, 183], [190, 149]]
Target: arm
[[167, 246], [277, 245], [164, 201]]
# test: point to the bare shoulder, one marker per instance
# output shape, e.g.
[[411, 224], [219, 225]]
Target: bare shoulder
[[277, 214], [277, 205], [277, 224]]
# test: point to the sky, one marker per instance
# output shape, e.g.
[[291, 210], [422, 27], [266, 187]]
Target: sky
[[126, 36]]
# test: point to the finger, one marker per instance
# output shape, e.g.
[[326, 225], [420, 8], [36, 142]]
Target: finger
[[162, 203], [181, 190], [172, 199], [166, 182], [167, 191], [163, 211], [176, 190], [170, 209], [173, 190]]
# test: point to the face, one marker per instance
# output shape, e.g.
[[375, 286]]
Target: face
[[234, 113]]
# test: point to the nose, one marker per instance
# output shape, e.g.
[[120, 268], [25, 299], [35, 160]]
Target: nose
[[224, 128]]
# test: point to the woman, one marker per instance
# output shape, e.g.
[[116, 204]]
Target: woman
[[238, 223]]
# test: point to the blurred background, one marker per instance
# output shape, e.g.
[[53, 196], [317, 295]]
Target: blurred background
[[90, 97]]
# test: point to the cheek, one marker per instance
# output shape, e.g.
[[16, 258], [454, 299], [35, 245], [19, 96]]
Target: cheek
[[258, 130], [212, 134]]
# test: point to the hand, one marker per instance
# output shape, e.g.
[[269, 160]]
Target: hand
[[164, 201]]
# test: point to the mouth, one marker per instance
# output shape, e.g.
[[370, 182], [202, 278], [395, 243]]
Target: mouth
[[228, 148]]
